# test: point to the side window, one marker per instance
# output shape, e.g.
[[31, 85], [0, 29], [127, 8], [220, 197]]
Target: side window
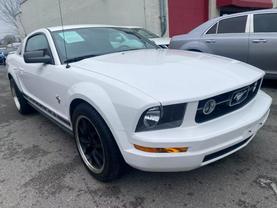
[[232, 25], [37, 42], [212, 30], [265, 23]]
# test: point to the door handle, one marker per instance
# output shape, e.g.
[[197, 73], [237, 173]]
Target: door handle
[[259, 41], [210, 41]]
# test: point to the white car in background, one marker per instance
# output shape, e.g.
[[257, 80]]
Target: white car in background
[[160, 41], [154, 109]]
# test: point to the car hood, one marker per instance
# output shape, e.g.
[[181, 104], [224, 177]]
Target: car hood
[[173, 76]]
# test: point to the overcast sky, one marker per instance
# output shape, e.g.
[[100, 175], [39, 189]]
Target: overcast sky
[[6, 29]]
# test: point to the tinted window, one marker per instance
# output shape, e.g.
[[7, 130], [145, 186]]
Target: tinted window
[[37, 42], [212, 30], [265, 23], [232, 25]]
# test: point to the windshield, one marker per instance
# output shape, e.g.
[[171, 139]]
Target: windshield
[[83, 43], [145, 33]]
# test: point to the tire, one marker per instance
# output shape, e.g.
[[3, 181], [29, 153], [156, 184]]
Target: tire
[[96, 145], [20, 102]]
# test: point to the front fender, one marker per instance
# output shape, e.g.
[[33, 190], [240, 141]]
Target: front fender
[[119, 105], [12, 73], [98, 99], [196, 45]]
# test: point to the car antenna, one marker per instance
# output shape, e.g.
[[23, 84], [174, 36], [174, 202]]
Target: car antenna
[[64, 43]]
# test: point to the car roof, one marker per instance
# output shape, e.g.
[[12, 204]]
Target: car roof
[[263, 11], [131, 27], [68, 27]]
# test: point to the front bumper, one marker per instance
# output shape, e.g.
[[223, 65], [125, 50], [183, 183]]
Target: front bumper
[[207, 142]]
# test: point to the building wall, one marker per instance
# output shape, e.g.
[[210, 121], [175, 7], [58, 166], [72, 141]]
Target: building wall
[[274, 3], [41, 13], [186, 15], [183, 15], [214, 11]]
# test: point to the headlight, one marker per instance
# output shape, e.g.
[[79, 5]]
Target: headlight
[[161, 117], [152, 117]]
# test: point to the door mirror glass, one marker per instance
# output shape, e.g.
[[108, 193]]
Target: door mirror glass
[[39, 56]]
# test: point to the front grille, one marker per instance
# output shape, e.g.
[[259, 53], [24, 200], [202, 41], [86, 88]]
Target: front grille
[[225, 151], [227, 102]]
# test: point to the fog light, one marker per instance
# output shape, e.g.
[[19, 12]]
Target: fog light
[[162, 150]]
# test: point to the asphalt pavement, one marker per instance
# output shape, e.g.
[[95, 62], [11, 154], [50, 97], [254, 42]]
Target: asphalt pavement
[[40, 168]]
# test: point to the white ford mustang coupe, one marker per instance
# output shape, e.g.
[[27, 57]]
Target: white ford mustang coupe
[[134, 103]]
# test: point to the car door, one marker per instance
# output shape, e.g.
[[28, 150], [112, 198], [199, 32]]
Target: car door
[[44, 83], [263, 42], [229, 37]]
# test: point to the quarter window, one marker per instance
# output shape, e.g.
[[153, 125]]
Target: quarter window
[[37, 42], [265, 23], [212, 30], [232, 25]]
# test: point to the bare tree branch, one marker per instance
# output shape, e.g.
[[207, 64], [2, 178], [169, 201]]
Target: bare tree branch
[[8, 12]]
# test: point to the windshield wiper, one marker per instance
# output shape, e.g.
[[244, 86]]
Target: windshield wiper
[[80, 58]]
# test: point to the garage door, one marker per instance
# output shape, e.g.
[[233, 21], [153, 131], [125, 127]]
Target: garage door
[[186, 15]]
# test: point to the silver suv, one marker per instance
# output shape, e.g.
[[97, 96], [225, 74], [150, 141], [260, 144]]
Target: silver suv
[[250, 37]]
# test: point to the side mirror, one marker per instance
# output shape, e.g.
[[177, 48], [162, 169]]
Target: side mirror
[[38, 56]]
